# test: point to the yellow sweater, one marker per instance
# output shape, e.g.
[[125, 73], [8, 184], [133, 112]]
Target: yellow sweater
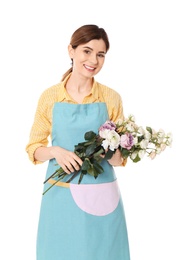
[[42, 126]]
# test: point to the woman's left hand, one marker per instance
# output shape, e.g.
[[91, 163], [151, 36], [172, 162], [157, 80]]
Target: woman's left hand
[[116, 159]]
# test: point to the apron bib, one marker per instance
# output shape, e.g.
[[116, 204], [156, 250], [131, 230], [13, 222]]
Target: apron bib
[[72, 217]]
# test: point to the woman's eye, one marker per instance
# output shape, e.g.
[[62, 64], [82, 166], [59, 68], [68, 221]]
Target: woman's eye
[[101, 55], [86, 51]]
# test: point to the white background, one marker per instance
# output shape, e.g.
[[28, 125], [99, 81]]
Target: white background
[[148, 64]]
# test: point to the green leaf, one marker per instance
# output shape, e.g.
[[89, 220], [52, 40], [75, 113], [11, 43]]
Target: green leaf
[[89, 135], [90, 149], [95, 173], [86, 165], [84, 172], [109, 154], [125, 153], [80, 178], [99, 150], [98, 167], [98, 159], [92, 171], [80, 150], [137, 159], [149, 129], [140, 138]]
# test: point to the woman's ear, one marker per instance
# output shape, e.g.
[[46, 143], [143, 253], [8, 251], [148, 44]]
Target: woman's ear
[[71, 51]]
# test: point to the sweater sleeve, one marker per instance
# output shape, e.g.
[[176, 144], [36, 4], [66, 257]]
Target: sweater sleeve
[[113, 101], [115, 107], [41, 127]]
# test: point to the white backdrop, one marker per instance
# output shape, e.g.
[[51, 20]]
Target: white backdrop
[[148, 64]]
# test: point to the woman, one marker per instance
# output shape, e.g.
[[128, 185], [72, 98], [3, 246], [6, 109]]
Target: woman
[[79, 221]]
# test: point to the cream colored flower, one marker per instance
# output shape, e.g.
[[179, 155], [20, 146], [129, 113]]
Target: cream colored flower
[[147, 135], [134, 155], [169, 139], [141, 153], [135, 140], [158, 150], [141, 130], [161, 133], [132, 118], [143, 144]]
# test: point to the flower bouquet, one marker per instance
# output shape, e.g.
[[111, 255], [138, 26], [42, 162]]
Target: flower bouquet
[[132, 140]]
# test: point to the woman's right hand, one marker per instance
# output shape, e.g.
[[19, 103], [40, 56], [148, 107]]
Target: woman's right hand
[[68, 160]]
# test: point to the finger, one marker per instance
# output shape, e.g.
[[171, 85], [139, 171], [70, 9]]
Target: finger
[[77, 161], [76, 166], [72, 166], [68, 168]]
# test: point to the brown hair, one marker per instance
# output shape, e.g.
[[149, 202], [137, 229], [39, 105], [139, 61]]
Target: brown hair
[[85, 34]]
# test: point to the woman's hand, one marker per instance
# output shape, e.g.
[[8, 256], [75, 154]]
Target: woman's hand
[[116, 159], [68, 160]]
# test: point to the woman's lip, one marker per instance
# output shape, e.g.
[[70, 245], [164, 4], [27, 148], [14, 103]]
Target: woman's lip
[[89, 67]]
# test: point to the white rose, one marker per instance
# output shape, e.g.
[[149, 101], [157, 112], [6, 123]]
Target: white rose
[[141, 153], [112, 140], [143, 144]]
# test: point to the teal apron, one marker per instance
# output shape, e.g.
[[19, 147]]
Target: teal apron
[[83, 221]]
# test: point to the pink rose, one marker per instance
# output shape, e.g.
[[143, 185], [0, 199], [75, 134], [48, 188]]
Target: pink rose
[[126, 141], [108, 125]]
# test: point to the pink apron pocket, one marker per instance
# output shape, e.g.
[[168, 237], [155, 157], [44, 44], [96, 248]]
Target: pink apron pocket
[[96, 199]]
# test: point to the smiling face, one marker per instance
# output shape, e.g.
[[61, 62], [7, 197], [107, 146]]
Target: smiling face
[[88, 58]]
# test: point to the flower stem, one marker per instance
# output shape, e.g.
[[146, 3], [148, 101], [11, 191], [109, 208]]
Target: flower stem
[[73, 176], [51, 176], [62, 176]]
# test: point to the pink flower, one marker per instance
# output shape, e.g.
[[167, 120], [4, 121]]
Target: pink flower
[[106, 128], [108, 125], [126, 141]]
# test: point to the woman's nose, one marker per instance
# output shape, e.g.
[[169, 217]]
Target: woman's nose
[[93, 59]]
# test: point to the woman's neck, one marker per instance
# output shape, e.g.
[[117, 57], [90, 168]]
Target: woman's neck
[[79, 88]]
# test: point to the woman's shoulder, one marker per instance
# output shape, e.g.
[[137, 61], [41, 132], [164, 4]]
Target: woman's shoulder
[[49, 96], [52, 92], [108, 92], [113, 101]]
